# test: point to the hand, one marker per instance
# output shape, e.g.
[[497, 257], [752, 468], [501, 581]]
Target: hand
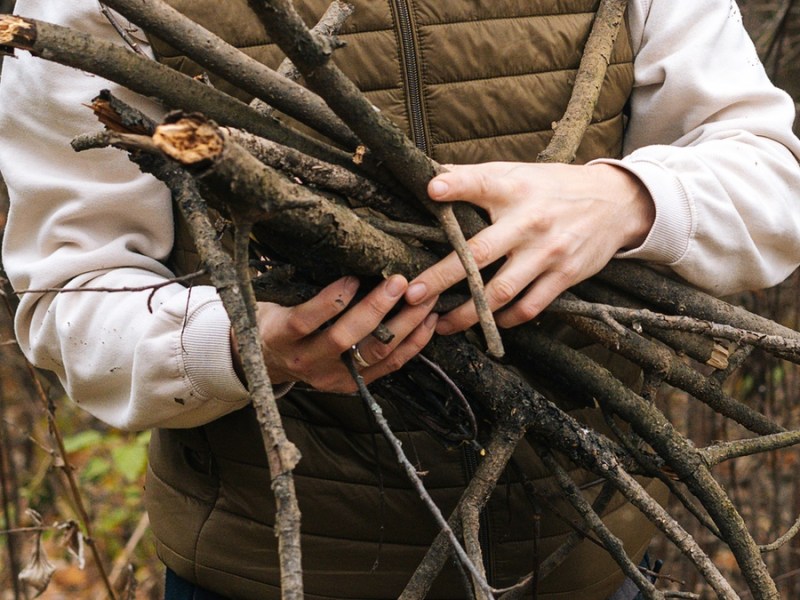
[[555, 224], [298, 346]]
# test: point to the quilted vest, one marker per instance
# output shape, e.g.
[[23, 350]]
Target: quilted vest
[[469, 81]]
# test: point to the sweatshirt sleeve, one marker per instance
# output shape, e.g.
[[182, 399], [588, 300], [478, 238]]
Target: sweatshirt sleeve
[[92, 220], [711, 138]]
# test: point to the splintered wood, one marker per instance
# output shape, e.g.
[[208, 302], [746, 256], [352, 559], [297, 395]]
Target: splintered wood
[[189, 141], [16, 31]]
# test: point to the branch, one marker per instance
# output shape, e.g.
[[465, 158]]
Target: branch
[[644, 317], [682, 299], [719, 453], [328, 26], [413, 476], [657, 358], [570, 129], [111, 61], [282, 455], [311, 55], [511, 398], [219, 57], [612, 543], [656, 430]]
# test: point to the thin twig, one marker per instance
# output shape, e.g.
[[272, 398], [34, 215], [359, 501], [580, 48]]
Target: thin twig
[[784, 539], [644, 317], [570, 129], [413, 476], [69, 473], [122, 31], [611, 542]]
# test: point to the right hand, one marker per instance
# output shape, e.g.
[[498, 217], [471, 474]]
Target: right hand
[[305, 342]]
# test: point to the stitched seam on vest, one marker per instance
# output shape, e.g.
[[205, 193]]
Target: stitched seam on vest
[[320, 536], [344, 36], [622, 63], [505, 18], [518, 133], [211, 507]]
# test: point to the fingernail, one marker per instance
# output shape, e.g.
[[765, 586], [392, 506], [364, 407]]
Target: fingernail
[[395, 286], [431, 320], [438, 188], [416, 292]]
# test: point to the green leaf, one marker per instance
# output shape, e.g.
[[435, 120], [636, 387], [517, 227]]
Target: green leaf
[[95, 468], [82, 440], [130, 460]]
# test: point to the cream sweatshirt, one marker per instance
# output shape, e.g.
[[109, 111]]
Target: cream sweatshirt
[[709, 136]]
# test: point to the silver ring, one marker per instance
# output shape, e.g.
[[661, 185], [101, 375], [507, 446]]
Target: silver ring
[[357, 357]]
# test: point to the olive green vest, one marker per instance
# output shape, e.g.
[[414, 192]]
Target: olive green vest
[[489, 79]]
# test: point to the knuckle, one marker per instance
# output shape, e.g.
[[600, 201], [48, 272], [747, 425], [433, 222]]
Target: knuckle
[[526, 311], [339, 341], [394, 362], [379, 352], [485, 184], [568, 273], [298, 327], [501, 292], [557, 253], [481, 250]]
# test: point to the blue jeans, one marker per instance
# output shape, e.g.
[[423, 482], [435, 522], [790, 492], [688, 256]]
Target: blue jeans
[[177, 588]]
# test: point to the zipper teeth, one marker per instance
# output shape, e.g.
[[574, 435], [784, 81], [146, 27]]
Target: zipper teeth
[[412, 76]]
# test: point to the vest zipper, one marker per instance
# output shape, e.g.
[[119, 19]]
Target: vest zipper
[[413, 74], [416, 116]]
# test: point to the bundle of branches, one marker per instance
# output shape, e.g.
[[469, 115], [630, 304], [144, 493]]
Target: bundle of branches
[[360, 207]]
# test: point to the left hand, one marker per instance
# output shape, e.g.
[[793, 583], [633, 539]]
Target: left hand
[[555, 224]]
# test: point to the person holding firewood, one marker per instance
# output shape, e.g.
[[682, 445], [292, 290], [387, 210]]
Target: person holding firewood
[[689, 164]]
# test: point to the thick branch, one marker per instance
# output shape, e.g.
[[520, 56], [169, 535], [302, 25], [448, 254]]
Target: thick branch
[[282, 455], [333, 231], [682, 299], [550, 356], [513, 397], [149, 78], [219, 57]]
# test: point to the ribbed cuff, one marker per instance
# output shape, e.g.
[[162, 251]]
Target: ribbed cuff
[[207, 358], [674, 224]]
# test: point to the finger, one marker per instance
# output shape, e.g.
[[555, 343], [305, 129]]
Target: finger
[[487, 246], [483, 185], [405, 351], [306, 318], [543, 291], [401, 325], [506, 285], [362, 318]]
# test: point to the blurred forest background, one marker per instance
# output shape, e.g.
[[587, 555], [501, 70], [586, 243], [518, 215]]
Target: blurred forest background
[[107, 466]]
